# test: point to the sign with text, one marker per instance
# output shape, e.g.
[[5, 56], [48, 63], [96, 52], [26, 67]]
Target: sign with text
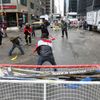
[[8, 7]]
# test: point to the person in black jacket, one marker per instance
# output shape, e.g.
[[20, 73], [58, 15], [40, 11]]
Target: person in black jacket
[[4, 27], [64, 28], [44, 27], [1, 36]]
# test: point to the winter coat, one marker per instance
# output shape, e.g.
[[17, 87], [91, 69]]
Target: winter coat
[[15, 40], [27, 30], [44, 48], [44, 29], [64, 25]]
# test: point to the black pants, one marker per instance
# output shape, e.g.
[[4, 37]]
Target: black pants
[[0, 40], [33, 33], [28, 38], [64, 31], [50, 59]]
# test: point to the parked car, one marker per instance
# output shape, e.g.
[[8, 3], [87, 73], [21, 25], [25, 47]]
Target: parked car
[[37, 24]]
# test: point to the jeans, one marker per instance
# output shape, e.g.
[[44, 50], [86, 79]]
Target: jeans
[[16, 46], [33, 33], [50, 59]]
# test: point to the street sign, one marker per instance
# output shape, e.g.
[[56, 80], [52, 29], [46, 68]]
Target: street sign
[[8, 7]]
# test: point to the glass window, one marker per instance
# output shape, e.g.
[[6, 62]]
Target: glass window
[[89, 2], [23, 2], [6, 1], [32, 5], [72, 16]]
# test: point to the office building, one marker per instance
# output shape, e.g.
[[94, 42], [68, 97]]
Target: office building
[[96, 4], [15, 10], [81, 7], [50, 7], [72, 5], [93, 5]]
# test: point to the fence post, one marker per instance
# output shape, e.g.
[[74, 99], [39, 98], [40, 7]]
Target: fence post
[[44, 91]]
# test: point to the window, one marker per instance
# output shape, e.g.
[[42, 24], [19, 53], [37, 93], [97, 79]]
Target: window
[[32, 5], [23, 2], [89, 2], [97, 4], [6, 1]]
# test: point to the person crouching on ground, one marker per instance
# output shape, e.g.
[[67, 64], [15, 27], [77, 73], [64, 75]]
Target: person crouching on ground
[[28, 32], [44, 50], [16, 44]]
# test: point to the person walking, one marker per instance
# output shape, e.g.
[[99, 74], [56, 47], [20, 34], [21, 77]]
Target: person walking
[[64, 28], [28, 33], [44, 50], [1, 36], [84, 24], [20, 23], [16, 44], [4, 27]]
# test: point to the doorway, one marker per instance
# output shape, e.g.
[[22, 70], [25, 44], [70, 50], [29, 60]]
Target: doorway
[[11, 19]]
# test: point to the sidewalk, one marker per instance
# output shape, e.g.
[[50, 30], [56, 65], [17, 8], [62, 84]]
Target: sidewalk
[[16, 58]]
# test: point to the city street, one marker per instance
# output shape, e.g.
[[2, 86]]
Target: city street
[[82, 47]]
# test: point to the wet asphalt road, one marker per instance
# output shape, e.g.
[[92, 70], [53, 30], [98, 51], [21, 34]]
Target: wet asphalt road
[[81, 47]]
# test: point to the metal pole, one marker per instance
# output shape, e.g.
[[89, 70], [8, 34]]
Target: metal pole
[[45, 91]]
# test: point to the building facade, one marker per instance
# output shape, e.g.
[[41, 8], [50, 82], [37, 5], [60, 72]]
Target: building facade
[[43, 7], [39, 7], [96, 4], [89, 5], [81, 7], [50, 7], [53, 6], [10, 10], [15, 11], [93, 5], [72, 5]]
